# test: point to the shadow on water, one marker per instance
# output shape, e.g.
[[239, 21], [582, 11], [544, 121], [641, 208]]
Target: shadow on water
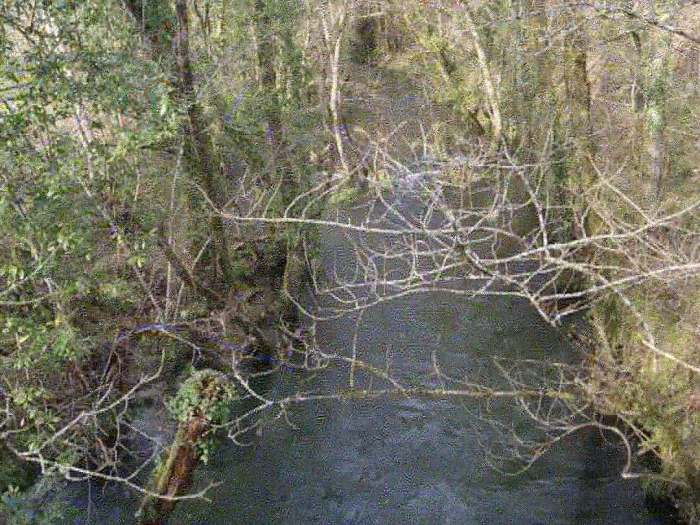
[[415, 460], [412, 460]]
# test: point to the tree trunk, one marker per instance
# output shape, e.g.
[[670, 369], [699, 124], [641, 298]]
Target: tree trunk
[[201, 155], [167, 33], [177, 472], [268, 72], [200, 401], [490, 89], [638, 102], [657, 68], [272, 45]]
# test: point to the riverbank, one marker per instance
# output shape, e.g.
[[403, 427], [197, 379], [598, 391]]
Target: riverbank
[[645, 376]]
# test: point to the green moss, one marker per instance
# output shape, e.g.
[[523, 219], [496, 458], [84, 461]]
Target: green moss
[[206, 393]]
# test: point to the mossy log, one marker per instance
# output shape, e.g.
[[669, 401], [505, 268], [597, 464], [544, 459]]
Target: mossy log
[[175, 476], [200, 403]]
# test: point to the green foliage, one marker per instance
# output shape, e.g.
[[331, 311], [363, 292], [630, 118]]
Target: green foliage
[[615, 319], [206, 393], [15, 472], [92, 126], [80, 106]]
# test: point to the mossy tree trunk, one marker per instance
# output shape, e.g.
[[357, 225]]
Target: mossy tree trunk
[[201, 402], [177, 473], [656, 59], [578, 126]]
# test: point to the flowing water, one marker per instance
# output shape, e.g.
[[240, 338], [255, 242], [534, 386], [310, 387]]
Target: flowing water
[[414, 460]]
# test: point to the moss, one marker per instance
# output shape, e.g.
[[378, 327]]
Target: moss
[[206, 393]]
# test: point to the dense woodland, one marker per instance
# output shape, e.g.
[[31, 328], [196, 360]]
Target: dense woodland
[[165, 167]]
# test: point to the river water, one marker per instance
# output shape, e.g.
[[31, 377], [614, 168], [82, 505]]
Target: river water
[[416, 460]]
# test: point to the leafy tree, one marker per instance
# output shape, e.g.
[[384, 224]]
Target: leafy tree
[[169, 166]]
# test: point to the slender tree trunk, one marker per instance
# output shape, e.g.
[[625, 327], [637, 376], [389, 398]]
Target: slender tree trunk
[[577, 96], [167, 33], [274, 39], [268, 71], [201, 155], [657, 68], [492, 100], [638, 101]]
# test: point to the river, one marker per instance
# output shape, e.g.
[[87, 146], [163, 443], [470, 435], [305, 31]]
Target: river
[[416, 460]]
